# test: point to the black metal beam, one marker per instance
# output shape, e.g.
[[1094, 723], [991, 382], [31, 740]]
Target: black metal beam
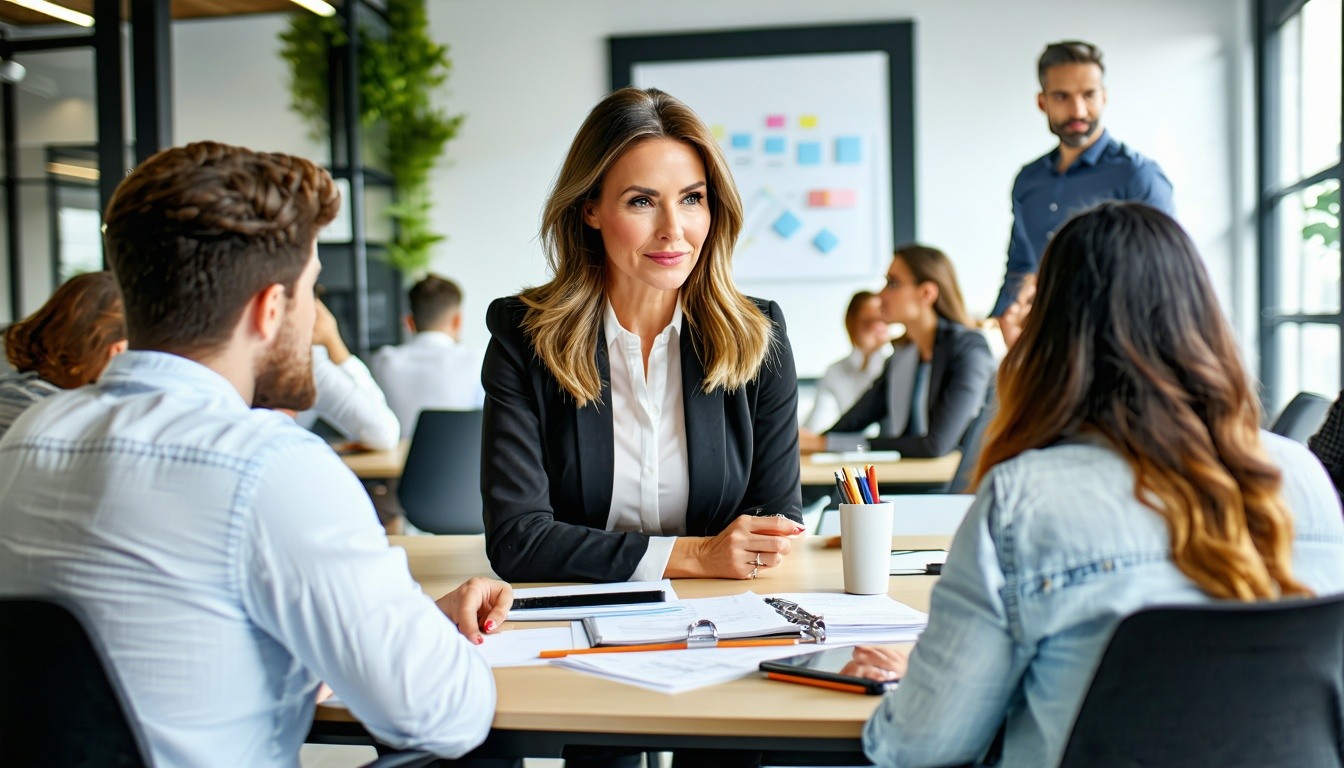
[[27, 45], [107, 57], [152, 79], [347, 144], [9, 134]]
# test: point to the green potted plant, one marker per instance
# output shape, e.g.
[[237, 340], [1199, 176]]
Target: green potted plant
[[398, 76]]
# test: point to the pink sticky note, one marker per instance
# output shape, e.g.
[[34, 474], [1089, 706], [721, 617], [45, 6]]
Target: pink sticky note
[[816, 198], [843, 198], [774, 121]]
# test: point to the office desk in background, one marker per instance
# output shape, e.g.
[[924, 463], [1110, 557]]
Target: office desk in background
[[378, 465], [904, 473], [540, 709], [386, 465]]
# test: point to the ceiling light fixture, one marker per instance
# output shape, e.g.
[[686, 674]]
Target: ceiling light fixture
[[319, 7], [77, 171], [56, 11]]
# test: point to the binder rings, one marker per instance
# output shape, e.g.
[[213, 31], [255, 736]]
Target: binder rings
[[705, 622]]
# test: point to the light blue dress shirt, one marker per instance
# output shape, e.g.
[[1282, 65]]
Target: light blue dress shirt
[[228, 561], [1054, 552]]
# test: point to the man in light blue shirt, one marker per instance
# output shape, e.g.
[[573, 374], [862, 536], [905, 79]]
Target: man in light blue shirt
[[1089, 166], [227, 559]]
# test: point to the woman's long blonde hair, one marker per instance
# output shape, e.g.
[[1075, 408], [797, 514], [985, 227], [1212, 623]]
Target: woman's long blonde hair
[[565, 314], [1126, 339]]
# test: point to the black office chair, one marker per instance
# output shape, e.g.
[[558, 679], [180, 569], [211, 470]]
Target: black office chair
[[1227, 685], [440, 488], [1301, 417], [61, 702]]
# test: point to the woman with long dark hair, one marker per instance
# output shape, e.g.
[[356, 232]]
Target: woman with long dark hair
[[1125, 468]]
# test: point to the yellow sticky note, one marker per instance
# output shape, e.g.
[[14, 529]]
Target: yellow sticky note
[[807, 121], [718, 131]]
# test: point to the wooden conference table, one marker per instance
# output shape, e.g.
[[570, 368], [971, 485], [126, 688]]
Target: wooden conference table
[[906, 473], [540, 709]]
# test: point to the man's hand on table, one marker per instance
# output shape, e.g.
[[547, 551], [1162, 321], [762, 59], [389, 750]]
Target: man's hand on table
[[477, 607]]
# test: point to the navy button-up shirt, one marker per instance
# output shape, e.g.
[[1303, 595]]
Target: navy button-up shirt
[[1044, 198]]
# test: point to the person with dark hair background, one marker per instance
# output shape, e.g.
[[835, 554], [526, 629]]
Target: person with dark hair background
[[65, 344], [1328, 443], [1125, 468], [848, 378]]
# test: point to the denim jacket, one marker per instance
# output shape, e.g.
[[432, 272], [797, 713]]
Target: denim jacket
[[1055, 551]]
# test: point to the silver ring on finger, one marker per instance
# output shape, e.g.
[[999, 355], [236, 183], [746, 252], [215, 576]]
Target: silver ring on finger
[[752, 575], [757, 562]]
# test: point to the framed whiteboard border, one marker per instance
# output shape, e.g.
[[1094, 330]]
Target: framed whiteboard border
[[895, 38]]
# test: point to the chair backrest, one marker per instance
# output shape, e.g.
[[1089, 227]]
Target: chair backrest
[[440, 488], [1225, 685], [971, 443], [61, 702], [1301, 417]]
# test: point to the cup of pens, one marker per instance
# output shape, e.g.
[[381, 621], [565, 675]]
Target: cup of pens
[[865, 532]]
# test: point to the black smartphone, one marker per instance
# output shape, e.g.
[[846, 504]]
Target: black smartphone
[[822, 669]]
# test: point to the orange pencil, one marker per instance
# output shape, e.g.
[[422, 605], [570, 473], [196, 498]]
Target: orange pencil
[[852, 485], [680, 646], [872, 483]]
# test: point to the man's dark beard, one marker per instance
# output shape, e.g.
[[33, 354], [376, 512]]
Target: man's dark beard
[[286, 378], [1071, 138]]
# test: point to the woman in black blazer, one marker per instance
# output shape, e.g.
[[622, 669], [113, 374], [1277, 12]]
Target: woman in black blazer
[[935, 381], [585, 475]]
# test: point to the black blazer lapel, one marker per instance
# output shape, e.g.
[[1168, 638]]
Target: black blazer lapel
[[595, 445], [705, 438]]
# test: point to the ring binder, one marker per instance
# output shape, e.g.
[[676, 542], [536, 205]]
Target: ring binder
[[810, 624]]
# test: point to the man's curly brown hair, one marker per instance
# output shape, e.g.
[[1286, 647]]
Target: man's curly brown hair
[[195, 232]]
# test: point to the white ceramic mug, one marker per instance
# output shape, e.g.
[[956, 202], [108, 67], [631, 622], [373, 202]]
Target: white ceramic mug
[[865, 547]]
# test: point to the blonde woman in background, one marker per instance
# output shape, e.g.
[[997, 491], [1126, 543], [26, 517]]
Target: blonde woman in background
[[848, 378]]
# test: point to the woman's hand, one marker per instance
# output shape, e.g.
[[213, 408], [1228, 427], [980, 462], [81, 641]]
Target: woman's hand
[[480, 604], [809, 441], [746, 547], [876, 662]]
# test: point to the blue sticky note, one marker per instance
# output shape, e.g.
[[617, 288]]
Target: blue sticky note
[[825, 241], [787, 224], [774, 145], [809, 153], [848, 150], [741, 141]]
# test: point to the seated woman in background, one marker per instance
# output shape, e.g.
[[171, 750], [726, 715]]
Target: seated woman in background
[[641, 414], [935, 381], [64, 344], [1125, 468], [848, 378]]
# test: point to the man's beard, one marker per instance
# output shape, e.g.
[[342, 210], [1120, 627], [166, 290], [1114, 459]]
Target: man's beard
[[286, 377], [1074, 138]]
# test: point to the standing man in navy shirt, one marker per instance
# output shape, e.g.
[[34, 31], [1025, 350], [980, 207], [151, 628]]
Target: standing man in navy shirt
[[1090, 166]]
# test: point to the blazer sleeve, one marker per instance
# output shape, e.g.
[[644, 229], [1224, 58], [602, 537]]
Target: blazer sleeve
[[968, 375], [775, 481], [523, 539], [868, 409]]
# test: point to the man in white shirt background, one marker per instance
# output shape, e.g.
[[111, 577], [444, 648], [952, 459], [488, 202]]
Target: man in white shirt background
[[348, 399], [225, 557], [432, 371]]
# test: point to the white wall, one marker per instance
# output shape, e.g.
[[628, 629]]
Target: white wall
[[527, 71]]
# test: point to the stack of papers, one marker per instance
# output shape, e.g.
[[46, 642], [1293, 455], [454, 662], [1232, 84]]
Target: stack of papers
[[677, 671], [852, 619]]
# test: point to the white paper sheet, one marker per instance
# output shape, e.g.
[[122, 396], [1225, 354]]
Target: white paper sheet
[[734, 616], [677, 671], [521, 647]]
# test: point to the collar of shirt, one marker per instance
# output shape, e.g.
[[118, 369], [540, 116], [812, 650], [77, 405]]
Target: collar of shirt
[[1089, 157], [613, 328], [163, 370], [434, 339]]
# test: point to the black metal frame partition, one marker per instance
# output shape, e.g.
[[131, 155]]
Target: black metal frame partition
[[151, 76], [1270, 16]]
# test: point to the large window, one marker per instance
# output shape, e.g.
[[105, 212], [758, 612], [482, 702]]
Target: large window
[[1301, 88]]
